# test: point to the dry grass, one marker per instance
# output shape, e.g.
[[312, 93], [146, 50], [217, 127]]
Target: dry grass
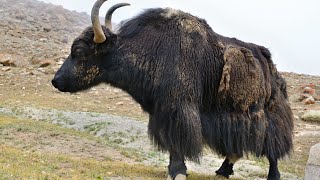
[[22, 163]]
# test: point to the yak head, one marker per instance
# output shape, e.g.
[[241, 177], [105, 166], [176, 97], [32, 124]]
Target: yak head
[[88, 61]]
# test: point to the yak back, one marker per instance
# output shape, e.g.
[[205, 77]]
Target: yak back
[[170, 49]]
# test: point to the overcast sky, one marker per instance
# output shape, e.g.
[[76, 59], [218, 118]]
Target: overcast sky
[[289, 28]]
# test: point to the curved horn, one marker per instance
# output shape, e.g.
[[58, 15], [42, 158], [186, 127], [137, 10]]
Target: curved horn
[[99, 36], [108, 22]]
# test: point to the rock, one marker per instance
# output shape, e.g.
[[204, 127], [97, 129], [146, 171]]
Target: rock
[[42, 70], [311, 116], [309, 90], [6, 68], [43, 40], [6, 60], [309, 100], [312, 171], [47, 27], [119, 103], [60, 62], [303, 97], [45, 63], [64, 40]]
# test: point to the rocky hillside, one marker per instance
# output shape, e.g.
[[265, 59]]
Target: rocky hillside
[[33, 32]]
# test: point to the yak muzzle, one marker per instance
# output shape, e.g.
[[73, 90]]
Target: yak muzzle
[[58, 83]]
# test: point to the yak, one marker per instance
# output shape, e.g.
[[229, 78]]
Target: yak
[[198, 87]]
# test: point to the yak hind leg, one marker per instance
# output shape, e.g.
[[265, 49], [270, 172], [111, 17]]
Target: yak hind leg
[[274, 173], [177, 168], [226, 168]]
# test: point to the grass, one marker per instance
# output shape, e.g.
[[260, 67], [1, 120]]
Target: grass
[[20, 163], [15, 163], [39, 126]]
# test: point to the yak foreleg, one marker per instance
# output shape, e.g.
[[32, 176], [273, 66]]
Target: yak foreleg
[[226, 168], [177, 168], [274, 173]]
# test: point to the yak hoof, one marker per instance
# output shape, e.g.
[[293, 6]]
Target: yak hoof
[[220, 177], [178, 177]]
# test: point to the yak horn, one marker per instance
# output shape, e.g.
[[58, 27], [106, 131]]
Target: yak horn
[[99, 36], [108, 22]]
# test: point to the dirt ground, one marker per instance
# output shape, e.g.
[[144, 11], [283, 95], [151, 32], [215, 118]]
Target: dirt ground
[[27, 92]]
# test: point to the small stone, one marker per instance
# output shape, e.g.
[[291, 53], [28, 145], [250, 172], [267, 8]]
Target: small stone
[[60, 62], [46, 62], [6, 68], [41, 70], [6, 60], [47, 27], [43, 39], [309, 100], [64, 40], [119, 103], [309, 90], [304, 96]]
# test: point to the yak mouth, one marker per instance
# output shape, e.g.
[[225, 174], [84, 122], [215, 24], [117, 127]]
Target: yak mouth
[[63, 87], [71, 90]]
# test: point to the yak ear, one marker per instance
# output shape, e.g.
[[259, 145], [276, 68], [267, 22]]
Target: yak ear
[[113, 39], [108, 44]]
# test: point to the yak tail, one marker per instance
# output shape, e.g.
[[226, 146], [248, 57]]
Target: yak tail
[[178, 130]]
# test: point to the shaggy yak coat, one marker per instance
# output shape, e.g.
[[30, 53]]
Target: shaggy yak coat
[[202, 88], [198, 87]]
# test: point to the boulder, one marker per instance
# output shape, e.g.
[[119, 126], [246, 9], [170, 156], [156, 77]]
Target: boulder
[[312, 171], [311, 116]]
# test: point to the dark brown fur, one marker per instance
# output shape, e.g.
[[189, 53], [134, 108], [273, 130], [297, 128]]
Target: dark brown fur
[[197, 85]]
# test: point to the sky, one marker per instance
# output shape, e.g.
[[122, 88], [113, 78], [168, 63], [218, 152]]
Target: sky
[[290, 29]]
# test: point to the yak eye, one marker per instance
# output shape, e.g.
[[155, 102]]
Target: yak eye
[[78, 53]]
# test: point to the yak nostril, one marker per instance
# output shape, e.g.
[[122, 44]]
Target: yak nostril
[[54, 82]]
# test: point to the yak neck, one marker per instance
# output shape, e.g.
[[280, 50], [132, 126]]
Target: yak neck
[[126, 72]]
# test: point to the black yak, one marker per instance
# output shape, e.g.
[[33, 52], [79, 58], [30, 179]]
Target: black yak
[[199, 88]]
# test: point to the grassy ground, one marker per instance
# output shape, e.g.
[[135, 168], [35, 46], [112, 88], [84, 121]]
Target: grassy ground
[[19, 160]]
